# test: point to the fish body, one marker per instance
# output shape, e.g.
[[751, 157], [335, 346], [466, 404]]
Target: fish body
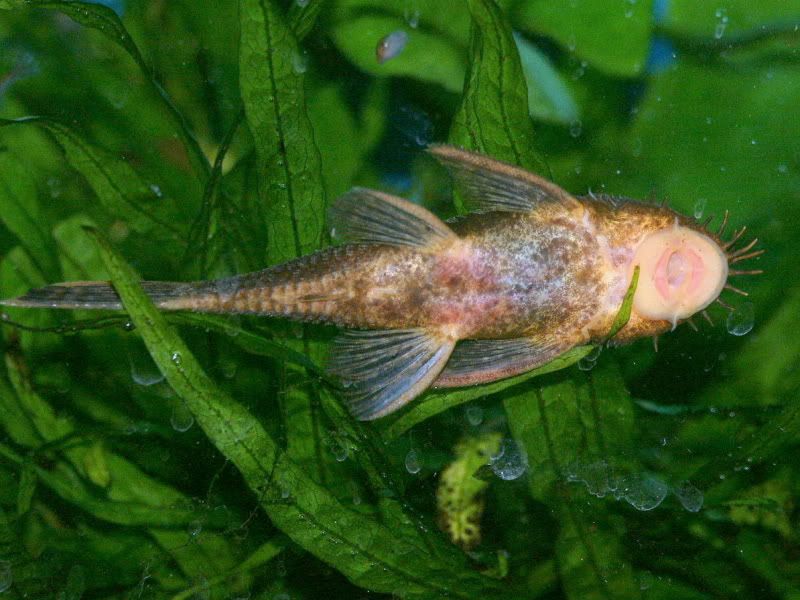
[[529, 274]]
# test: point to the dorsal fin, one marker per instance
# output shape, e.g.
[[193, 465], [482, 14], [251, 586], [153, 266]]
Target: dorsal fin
[[372, 217], [489, 185]]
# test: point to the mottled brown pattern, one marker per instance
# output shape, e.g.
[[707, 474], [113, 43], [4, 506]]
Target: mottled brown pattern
[[551, 275]]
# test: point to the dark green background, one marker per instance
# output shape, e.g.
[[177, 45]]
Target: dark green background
[[202, 139]]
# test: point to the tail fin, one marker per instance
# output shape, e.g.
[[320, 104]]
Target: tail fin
[[96, 294]]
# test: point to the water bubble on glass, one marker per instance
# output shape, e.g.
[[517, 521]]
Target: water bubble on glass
[[597, 478], [722, 23], [300, 62], [338, 448], [6, 575], [195, 527], [512, 462], [144, 371], [689, 496], [474, 415], [412, 17], [413, 464], [181, 418], [740, 321], [390, 46], [642, 491], [700, 208]]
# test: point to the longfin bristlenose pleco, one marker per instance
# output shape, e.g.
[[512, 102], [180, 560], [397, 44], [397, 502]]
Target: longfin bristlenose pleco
[[531, 272]]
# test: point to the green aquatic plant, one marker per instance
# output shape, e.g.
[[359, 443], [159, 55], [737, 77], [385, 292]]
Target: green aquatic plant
[[150, 455]]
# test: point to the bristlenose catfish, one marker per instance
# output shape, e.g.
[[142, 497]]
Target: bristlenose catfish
[[530, 273]]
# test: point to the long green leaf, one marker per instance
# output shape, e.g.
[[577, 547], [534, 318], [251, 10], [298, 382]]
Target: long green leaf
[[104, 20], [118, 187], [493, 117], [289, 163], [580, 429], [368, 553], [21, 213], [289, 184]]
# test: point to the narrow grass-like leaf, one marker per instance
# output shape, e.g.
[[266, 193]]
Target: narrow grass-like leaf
[[493, 117], [290, 186], [581, 431], [21, 213], [104, 20], [118, 187], [290, 181], [203, 228], [368, 553]]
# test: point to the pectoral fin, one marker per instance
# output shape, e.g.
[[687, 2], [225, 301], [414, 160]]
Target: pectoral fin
[[482, 361], [380, 371], [372, 217], [490, 185]]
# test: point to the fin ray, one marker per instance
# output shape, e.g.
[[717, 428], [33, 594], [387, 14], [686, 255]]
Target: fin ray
[[483, 361], [385, 369], [368, 216], [490, 185]]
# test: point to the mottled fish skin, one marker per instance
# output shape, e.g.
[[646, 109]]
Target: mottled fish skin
[[547, 275]]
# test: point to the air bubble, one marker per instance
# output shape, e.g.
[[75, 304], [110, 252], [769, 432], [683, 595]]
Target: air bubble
[[413, 464], [689, 496], [783, 168], [195, 528], [510, 462], [700, 208], [412, 17], [181, 418], [575, 128], [390, 46], [741, 320], [474, 415], [642, 491], [338, 448], [144, 372], [176, 358], [6, 575], [300, 62], [302, 3]]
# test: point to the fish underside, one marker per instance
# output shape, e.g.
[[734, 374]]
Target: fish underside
[[521, 279]]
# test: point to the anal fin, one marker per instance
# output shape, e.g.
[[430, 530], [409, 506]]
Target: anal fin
[[482, 361], [381, 371]]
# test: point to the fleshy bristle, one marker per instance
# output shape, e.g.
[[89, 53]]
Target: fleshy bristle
[[753, 254], [724, 224], [724, 304], [736, 290]]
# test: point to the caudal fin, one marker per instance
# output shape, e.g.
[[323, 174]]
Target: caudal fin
[[95, 295]]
